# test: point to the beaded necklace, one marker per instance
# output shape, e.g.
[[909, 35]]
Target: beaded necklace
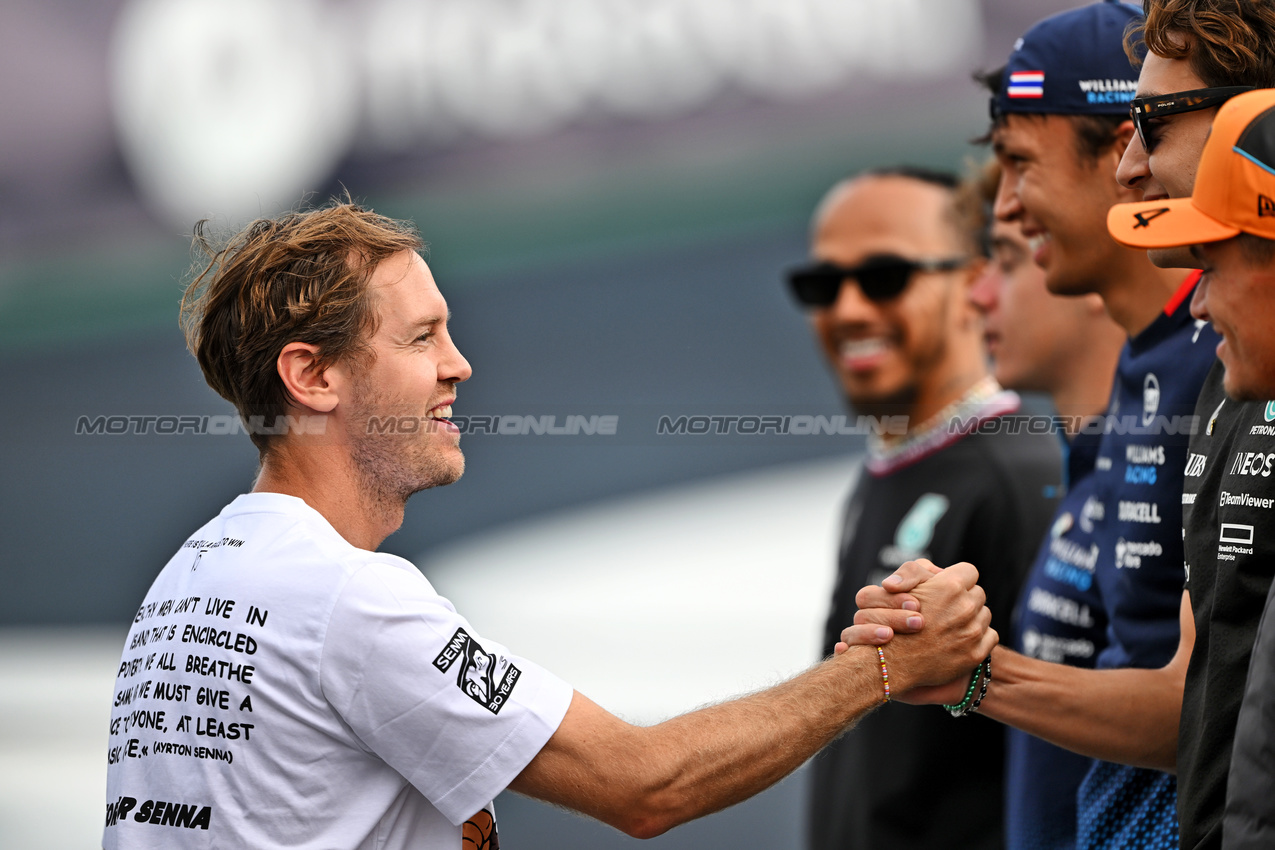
[[985, 400]]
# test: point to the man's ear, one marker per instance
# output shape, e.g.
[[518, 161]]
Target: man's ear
[[304, 379]]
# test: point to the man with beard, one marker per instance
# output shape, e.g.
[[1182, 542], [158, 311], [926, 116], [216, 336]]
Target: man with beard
[[285, 685], [888, 294]]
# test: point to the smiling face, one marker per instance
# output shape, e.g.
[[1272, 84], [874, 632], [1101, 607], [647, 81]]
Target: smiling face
[[1031, 334], [1059, 198], [887, 354], [1176, 141], [401, 438], [1237, 294]]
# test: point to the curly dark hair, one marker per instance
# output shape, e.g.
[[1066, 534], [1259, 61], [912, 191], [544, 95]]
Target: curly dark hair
[[1226, 42]]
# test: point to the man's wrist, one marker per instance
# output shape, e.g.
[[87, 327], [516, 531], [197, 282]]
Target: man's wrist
[[859, 668], [885, 674]]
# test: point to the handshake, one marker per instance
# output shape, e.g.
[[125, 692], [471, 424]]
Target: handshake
[[936, 625]]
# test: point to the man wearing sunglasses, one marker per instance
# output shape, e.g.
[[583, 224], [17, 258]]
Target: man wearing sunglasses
[[1201, 54], [1061, 125], [1224, 226], [887, 292]]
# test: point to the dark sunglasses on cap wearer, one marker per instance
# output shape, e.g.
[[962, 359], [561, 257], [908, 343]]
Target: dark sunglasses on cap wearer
[[1144, 110], [880, 278]]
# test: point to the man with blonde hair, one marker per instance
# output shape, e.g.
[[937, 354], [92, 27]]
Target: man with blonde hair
[[285, 685]]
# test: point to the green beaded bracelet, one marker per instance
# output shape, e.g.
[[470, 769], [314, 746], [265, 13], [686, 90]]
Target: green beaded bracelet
[[960, 708], [982, 691]]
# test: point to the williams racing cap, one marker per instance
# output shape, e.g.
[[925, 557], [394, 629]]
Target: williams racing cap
[[1234, 186], [1072, 63]]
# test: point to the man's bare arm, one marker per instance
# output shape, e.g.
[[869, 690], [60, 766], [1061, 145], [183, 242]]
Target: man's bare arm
[[1125, 715], [646, 780]]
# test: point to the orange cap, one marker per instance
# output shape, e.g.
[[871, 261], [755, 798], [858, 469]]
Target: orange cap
[[1234, 186]]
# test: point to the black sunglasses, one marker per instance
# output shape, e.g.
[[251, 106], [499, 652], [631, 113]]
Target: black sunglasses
[[880, 278], [1143, 109]]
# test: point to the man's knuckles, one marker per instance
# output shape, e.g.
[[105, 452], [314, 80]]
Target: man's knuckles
[[963, 572], [873, 596], [910, 574], [895, 619]]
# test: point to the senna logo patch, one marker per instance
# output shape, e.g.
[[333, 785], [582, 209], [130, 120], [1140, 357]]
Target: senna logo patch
[[485, 678]]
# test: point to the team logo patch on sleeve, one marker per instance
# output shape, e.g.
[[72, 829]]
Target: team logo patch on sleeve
[[485, 678]]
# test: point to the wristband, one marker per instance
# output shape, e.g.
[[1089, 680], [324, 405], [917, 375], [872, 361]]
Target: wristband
[[962, 707], [982, 691], [885, 674]]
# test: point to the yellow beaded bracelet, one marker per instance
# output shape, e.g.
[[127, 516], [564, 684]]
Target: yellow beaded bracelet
[[885, 674]]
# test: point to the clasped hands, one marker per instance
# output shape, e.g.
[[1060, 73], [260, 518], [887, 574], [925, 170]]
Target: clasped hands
[[934, 625]]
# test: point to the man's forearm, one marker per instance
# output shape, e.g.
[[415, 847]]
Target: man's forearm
[[1127, 715], [735, 750], [706, 760], [647, 780]]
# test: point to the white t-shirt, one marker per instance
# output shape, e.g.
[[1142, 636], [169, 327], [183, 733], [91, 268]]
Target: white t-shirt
[[280, 687]]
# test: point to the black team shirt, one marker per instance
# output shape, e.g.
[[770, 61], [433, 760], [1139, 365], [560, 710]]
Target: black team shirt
[[1139, 569], [911, 776], [1228, 518]]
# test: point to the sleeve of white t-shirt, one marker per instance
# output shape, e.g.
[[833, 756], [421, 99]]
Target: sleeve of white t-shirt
[[459, 717]]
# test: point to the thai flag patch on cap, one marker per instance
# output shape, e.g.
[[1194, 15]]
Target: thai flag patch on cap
[[1026, 84]]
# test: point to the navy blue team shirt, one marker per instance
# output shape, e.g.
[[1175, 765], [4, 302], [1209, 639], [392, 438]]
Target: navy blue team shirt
[[1139, 575], [1059, 618]]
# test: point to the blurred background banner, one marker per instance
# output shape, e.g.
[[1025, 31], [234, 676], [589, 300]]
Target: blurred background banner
[[610, 190], [218, 102]]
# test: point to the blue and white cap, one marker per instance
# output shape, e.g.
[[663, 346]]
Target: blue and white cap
[[1072, 63]]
